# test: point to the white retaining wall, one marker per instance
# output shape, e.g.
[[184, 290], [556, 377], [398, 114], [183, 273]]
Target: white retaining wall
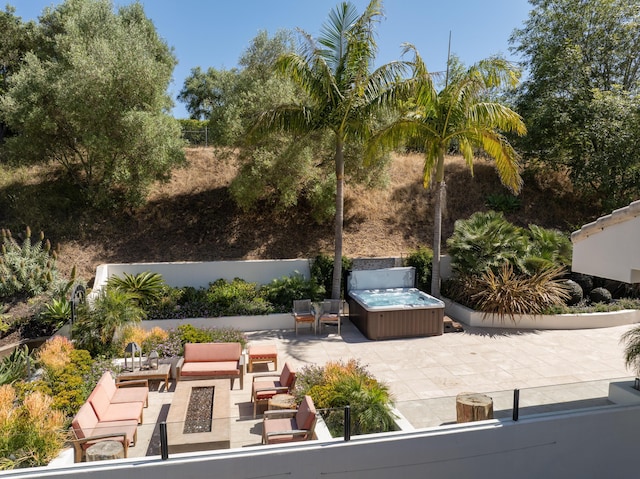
[[200, 274], [558, 321]]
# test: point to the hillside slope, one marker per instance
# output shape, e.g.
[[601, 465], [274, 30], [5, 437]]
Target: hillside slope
[[193, 217]]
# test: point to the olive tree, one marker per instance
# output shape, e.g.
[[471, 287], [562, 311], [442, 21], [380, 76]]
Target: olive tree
[[93, 98]]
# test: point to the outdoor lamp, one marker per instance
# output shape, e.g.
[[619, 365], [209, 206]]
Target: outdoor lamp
[[131, 348], [153, 360]]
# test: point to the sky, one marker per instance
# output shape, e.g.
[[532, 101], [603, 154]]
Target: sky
[[215, 33]]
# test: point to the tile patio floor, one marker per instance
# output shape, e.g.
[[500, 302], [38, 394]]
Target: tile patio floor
[[554, 369]]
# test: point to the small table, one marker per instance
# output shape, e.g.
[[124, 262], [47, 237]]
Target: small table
[[105, 450], [266, 353], [282, 401], [162, 373]]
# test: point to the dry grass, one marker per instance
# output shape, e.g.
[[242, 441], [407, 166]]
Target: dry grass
[[193, 218]]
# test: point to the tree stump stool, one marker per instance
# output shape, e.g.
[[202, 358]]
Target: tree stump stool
[[473, 407], [103, 450]]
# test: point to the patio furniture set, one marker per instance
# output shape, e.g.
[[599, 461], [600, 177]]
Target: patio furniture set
[[114, 408]]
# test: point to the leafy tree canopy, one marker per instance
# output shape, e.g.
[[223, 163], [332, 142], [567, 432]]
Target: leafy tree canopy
[[93, 98], [583, 59]]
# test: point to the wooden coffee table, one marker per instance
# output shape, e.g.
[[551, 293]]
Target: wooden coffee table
[[162, 374]]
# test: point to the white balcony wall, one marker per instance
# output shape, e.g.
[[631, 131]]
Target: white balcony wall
[[598, 442]]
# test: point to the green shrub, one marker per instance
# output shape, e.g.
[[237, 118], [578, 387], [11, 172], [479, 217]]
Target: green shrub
[[282, 292], [146, 288], [322, 272], [191, 334], [26, 269], [337, 384], [57, 312], [238, 297], [504, 203], [97, 325], [422, 260], [14, 366], [31, 434]]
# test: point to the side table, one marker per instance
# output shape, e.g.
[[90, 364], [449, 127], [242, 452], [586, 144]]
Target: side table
[[281, 401], [105, 450]]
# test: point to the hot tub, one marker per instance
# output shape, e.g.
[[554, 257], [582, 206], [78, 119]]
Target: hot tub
[[396, 313]]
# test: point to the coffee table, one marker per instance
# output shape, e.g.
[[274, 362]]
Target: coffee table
[[162, 374]]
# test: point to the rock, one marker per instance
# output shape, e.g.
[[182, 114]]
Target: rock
[[575, 292], [600, 295]]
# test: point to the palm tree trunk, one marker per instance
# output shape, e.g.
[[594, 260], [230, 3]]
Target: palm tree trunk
[[337, 259], [437, 237], [437, 226]]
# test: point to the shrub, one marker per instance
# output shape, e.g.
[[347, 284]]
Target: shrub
[[14, 366], [96, 327], [574, 291], [282, 292], [26, 269], [600, 295], [504, 203], [238, 297], [31, 433], [57, 312], [508, 294], [322, 271], [146, 288], [190, 334], [338, 384], [422, 260], [55, 354]]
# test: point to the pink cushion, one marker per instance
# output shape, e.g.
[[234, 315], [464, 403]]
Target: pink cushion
[[218, 368], [287, 376], [130, 394], [306, 413], [205, 352], [108, 384], [84, 421], [129, 428], [267, 389], [106, 411], [264, 351]]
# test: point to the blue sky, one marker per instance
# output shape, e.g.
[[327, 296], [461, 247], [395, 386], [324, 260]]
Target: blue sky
[[214, 33]]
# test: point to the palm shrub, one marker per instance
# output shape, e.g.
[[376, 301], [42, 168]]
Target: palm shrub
[[507, 293], [486, 240], [338, 384], [26, 269], [146, 288], [97, 325], [31, 433]]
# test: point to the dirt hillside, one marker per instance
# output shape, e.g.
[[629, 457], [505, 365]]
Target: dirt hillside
[[193, 217]]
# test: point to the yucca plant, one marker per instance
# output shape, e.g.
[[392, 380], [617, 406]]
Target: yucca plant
[[507, 293], [146, 288]]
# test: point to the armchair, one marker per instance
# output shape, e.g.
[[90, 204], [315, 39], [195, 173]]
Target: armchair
[[331, 313], [303, 312], [267, 385], [289, 425]]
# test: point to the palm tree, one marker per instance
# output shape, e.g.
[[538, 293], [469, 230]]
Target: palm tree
[[460, 113], [342, 93]]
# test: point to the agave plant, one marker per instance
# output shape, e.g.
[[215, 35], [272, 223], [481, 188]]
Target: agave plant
[[14, 366]]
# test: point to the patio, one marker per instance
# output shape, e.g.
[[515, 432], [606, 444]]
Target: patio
[[554, 369]]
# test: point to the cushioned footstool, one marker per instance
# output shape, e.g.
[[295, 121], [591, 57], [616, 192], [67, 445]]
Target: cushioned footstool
[[266, 353]]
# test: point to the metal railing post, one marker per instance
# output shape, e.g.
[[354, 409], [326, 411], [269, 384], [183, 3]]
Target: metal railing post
[[164, 443], [516, 404], [347, 423]]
